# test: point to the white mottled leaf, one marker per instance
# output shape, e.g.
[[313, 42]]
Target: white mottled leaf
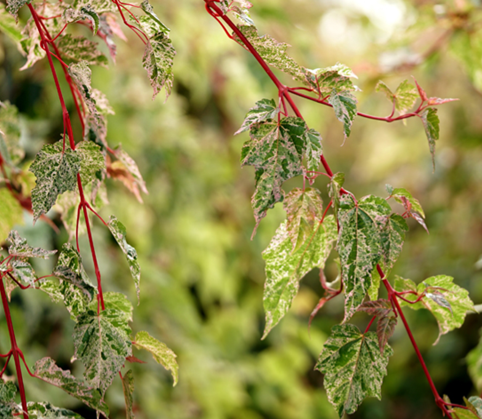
[[337, 77], [264, 109], [128, 387], [44, 410], [344, 105], [20, 248], [10, 132], [92, 161], [431, 123]]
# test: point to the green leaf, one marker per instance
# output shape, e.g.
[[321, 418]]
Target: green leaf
[[303, 208], [337, 77], [88, 10], [334, 188], [11, 213], [30, 43], [119, 232], [48, 371], [476, 403], [45, 410], [359, 246], [464, 414], [313, 149], [353, 366], [56, 173], [344, 105], [72, 297], [272, 51], [457, 297], [13, 6], [158, 60], [69, 268], [431, 123], [10, 132], [23, 272], [20, 248], [8, 391], [102, 345], [392, 237], [405, 97], [77, 49], [275, 150], [8, 25], [264, 110], [399, 193], [285, 268], [119, 305], [160, 352], [92, 161], [474, 363], [128, 387], [149, 11]]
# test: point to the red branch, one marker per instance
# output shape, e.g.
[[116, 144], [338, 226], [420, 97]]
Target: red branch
[[284, 93]]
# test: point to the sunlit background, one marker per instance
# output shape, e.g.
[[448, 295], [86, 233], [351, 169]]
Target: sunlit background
[[202, 276]]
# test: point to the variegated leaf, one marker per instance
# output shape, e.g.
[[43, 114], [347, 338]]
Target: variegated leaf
[[10, 131], [400, 193], [131, 166], [160, 352], [20, 248], [359, 245], [285, 268], [102, 345], [92, 163], [456, 297], [303, 208], [392, 237], [431, 123], [48, 371], [119, 232], [128, 387], [13, 6], [313, 149], [337, 77], [264, 110], [45, 410], [23, 272], [77, 49], [354, 367], [385, 328], [344, 105], [334, 188], [404, 97], [56, 172]]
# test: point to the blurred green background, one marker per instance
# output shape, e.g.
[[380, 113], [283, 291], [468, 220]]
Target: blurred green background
[[202, 276]]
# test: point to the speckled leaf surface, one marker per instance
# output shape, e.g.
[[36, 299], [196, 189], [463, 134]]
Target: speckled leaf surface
[[264, 110], [275, 150], [400, 193], [344, 105], [72, 297], [119, 232], [70, 268], [11, 213], [334, 187], [272, 51], [303, 208], [431, 123], [101, 345], [30, 44], [48, 371], [10, 133], [160, 352], [23, 272], [9, 26], [404, 97], [285, 268], [92, 161], [20, 248], [456, 296], [359, 246], [45, 410], [75, 49], [324, 80], [156, 23], [313, 149], [475, 404], [118, 310], [8, 390], [158, 60], [392, 237], [56, 173], [13, 6], [354, 367], [128, 388], [88, 10]]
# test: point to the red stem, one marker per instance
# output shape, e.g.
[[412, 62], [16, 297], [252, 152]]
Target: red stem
[[369, 325], [14, 349]]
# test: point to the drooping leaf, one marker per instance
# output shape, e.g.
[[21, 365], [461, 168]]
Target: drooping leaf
[[431, 123], [385, 328], [77, 49], [392, 237], [399, 193], [149, 11], [119, 232], [272, 51], [131, 166], [20, 248], [337, 77], [48, 371], [102, 345], [455, 296], [285, 268], [10, 132], [92, 161], [313, 149], [379, 308], [344, 105], [353, 366], [303, 209], [359, 245], [158, 60], [88, 10], [334, 187], [8, 25], [11, 213], [275, 150], [264, 110], [30, 43], [45, 410], [128, 387], [160, 352], [13, 6], [56, 173], [69, 268]]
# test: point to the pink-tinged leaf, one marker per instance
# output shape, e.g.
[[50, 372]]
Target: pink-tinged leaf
[[439, 101], [380, 308], [133, 360], [417, 217], [421, 92], [385, 328]]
